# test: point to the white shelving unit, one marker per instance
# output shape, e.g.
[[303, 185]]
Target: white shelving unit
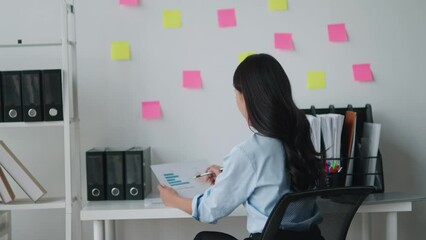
[[70, 203]]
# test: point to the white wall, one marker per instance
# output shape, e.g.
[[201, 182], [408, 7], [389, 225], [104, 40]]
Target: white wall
[[205, 124]]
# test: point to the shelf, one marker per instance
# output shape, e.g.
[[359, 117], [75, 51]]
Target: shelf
[[31, 124], [28, 204], [40, 44]]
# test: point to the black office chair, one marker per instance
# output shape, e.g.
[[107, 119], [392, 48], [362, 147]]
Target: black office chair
[[337, 206]]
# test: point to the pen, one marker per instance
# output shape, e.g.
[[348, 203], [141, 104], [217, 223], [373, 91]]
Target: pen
[[205, 174]]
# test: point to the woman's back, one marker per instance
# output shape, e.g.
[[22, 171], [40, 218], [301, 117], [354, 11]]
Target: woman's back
[[266, 156]]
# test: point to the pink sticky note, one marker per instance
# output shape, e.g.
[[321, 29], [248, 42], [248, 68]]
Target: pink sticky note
[[337, 33], [283, 41], [362, 72], [226, 18], [151, 110], [191, 79], [129, 2]]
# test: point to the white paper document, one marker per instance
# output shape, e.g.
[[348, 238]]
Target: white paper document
[[315, 123], [370, 148], [331, 128], [153, 199], [180, 176]]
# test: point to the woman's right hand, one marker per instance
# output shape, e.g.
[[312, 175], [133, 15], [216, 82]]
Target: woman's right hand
[[215, 169]]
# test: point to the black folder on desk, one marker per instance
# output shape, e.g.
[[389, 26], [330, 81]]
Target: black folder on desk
[[11, 96], [137, 173], [95, 174], [114, 174], [31, 96]]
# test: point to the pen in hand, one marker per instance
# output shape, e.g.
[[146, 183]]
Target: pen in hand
[[205, 174]]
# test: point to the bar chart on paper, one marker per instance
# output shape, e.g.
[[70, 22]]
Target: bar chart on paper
[[174, 180], [180, 177]]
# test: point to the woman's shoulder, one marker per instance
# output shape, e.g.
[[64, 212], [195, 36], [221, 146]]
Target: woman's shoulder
[[258, 139], [258, 151], [259, 143]]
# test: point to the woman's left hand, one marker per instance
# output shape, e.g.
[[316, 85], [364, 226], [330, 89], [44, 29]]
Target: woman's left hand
[[168, 195]]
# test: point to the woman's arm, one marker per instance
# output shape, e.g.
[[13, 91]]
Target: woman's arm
[[172, 199]]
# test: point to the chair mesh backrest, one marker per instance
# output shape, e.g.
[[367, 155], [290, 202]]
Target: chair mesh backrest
[[337, 206]]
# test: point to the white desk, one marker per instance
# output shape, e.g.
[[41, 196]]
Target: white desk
[[104, 213]]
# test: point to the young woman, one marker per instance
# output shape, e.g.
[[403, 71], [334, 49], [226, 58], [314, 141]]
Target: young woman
[[278, 158]]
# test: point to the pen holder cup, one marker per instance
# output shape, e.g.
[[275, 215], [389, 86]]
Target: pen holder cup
[[365, 171], [334, 179]]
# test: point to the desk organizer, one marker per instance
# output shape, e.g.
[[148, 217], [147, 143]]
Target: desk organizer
[[360, 176]]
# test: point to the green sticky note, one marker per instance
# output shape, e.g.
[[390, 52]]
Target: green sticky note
[[275, 5], [244, 55], [171, 19], [316, 79], [120, 51]]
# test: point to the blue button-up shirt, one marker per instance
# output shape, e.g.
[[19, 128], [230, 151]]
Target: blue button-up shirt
[[254, 175]]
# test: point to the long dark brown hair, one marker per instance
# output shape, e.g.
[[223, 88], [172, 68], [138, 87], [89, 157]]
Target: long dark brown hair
[[272, 112]]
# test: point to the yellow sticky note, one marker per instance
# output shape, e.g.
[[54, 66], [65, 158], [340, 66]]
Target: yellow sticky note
[[120, 51], [275, 5], [316, 79], [171, 19], [244, 55]]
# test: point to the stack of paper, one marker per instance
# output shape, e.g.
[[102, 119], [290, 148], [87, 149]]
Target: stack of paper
[[315, 123], [153, 199], [331, 128]]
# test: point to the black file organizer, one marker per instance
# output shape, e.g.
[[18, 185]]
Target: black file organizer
[[364, 114]]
